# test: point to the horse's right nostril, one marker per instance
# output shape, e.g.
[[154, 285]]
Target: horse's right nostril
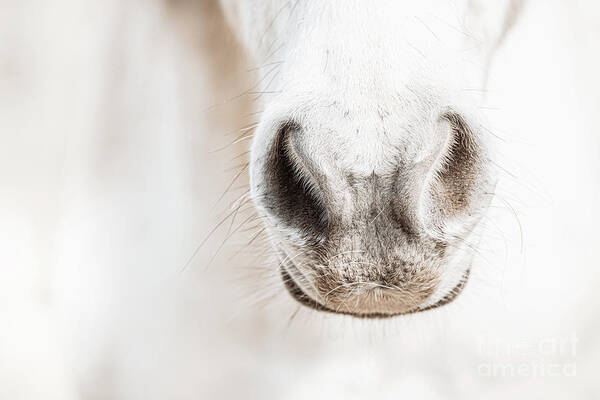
[[292, 193]]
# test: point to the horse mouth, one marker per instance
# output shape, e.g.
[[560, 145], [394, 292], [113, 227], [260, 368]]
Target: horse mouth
[[300, 296]]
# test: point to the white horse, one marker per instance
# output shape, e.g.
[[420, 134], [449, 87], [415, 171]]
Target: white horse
[[401, 148]]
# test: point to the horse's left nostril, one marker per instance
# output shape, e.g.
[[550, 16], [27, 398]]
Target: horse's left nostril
[[462, 180], [292, 194]]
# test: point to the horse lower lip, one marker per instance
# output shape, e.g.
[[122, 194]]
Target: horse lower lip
[[299, 295]]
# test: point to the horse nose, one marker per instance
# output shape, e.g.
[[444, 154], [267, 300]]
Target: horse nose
[[345, 217]]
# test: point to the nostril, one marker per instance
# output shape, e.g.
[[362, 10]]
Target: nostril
[[457, 192], [292, 194], [458, 176]]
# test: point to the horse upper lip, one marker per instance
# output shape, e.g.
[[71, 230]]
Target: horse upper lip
[[303, 298]]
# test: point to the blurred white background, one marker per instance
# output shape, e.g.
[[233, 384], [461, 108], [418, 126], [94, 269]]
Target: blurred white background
[[109, 115]]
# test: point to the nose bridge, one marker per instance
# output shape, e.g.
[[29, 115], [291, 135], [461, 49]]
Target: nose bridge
[[372, 231], [382, 227], [381, 206]]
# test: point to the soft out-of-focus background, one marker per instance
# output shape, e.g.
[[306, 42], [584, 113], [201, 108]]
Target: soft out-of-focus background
[[122, 124]]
